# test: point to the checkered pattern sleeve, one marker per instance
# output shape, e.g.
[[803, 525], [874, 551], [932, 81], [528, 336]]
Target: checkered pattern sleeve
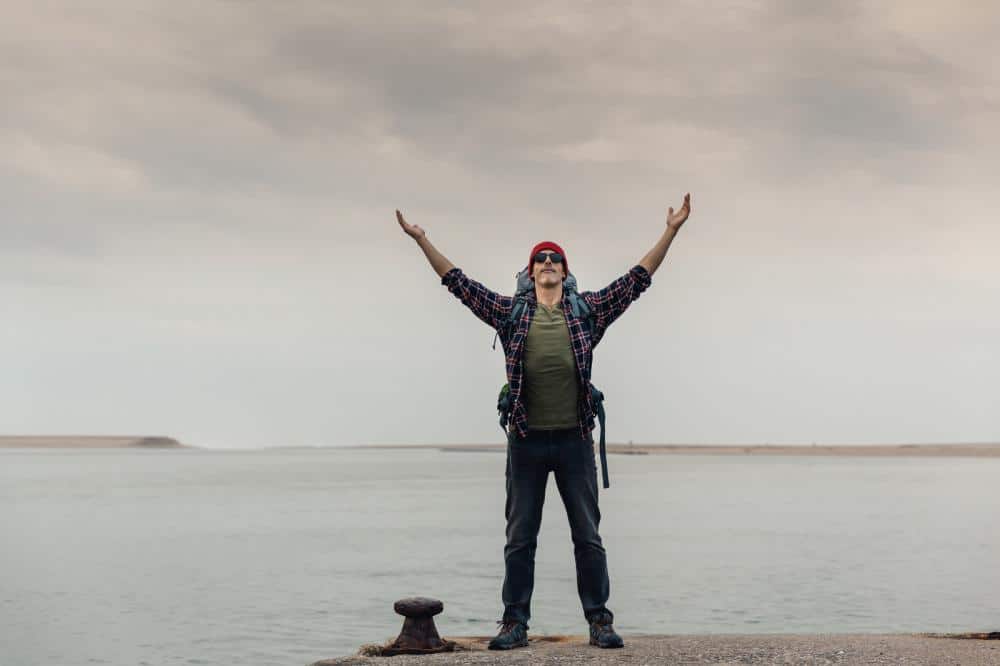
[[609, 303], [489, 306]]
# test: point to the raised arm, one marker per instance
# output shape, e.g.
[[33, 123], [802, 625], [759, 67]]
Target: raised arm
[[488, 305], [439, 262], [652, 260], [609, 303]]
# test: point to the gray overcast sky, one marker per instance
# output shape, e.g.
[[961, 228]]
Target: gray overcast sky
[[197, 234]]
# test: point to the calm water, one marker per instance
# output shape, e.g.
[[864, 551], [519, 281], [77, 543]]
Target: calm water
[[285, 557]]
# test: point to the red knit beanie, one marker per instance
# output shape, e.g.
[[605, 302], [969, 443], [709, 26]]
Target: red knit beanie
[[546, 245]]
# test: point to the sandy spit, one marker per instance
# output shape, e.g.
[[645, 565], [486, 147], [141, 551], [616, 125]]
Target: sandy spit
[[87, 442]]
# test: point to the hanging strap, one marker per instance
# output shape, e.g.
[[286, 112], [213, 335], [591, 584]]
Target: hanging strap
[[598, 399]]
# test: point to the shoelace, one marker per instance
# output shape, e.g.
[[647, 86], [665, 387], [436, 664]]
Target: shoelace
[[602, 626], [507, 625]]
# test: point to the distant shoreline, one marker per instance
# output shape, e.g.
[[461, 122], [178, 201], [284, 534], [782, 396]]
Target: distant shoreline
[[958, 450], [88, 442], [826, 450]]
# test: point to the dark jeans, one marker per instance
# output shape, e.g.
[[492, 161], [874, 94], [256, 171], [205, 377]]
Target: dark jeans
[[529, 461]]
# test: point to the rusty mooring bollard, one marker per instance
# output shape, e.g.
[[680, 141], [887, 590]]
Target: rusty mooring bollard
[[419, 635]]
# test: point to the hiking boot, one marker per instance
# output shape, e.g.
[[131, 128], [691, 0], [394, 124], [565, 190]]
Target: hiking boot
[[603, 634], [513, 634]]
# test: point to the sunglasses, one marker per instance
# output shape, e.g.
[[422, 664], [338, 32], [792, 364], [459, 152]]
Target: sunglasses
[[554, 256]]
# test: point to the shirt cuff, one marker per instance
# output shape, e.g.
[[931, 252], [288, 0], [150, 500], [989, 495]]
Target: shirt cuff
[[451, 277], [641, 275]]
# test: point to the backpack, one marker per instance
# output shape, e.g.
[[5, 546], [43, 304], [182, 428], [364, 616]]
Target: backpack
[[582, 311]]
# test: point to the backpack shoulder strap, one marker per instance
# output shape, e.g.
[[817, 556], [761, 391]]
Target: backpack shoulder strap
[[581, 310], [516, 311]]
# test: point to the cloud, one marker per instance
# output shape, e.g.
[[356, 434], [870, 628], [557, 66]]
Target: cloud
[[72, 167], [346, 104]]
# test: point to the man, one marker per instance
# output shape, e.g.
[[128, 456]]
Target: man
[[548, 357]]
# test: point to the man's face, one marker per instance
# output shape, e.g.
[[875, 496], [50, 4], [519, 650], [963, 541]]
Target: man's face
[[547, 273]]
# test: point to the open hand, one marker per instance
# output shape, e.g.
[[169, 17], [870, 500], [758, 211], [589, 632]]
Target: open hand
[[412, 230], [675, 220]]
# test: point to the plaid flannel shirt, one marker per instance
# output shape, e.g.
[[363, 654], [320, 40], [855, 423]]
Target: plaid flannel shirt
[[607, 305]]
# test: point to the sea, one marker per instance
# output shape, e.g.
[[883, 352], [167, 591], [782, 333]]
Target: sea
[[287, 556]]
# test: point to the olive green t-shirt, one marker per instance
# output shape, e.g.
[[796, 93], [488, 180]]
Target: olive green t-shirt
[[550, 387]]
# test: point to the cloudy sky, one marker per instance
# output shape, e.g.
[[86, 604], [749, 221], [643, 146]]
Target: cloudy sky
[[197, 235]]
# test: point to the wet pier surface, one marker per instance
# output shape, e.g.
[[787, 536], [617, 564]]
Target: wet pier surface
[[716, 649]]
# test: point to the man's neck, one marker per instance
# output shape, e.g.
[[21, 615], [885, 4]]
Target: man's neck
[[549, 296]]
